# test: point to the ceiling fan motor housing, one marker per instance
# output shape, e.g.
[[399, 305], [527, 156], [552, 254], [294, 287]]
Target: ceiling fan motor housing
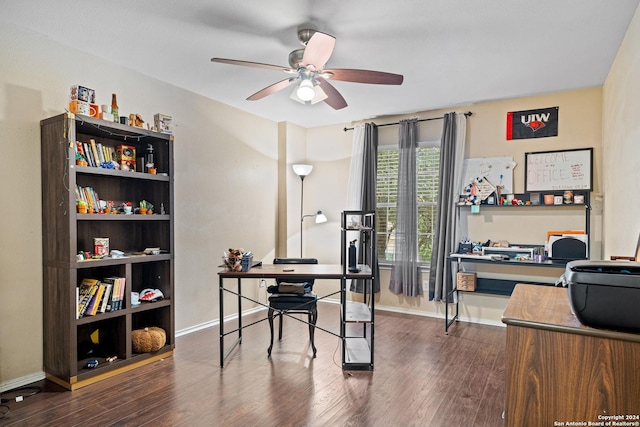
[[304, 35]]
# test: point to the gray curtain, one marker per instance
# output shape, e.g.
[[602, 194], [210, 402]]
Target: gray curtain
[[405, 272], [368, 202], [445, 235]]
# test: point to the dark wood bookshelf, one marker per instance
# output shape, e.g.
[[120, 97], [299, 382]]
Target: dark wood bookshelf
[[67, 346]]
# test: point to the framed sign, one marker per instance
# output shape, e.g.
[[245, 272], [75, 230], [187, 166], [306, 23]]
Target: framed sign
[[559, 170]]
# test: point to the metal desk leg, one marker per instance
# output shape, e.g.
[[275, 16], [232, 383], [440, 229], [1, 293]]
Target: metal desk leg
[[239, 311], [221, 318]]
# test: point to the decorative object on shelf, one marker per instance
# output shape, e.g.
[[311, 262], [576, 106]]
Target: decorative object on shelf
[[105, 114], [578, 199], [534, 198], [145, 208], [114, 108], [557, 200], [148, 159], [548, 199], [302, 171], [101, 246], [135, 299], [162, 123], [151, 295], [127, 208], [567, 197], [82, 101], [148, 340], [126, 157], [82, 206], [135, 120]]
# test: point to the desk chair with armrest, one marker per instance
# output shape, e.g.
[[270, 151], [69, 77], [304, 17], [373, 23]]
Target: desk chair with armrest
[[293, 295]]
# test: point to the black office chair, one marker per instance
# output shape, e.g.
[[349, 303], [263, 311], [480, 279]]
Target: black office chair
[[293, 295]]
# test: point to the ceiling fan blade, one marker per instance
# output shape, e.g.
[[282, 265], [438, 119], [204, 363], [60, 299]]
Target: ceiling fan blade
[[334, 99], [271, 89], [319, 49], [251, 64], [365, 76]]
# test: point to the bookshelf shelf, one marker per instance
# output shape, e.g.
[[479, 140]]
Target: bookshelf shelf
[[70, 341]]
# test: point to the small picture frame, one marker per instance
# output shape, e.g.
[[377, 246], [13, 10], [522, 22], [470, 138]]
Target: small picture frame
[[534, 198], [557, 200], [578, 199]]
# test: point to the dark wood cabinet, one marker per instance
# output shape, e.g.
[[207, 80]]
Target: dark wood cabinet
[[69, 340]]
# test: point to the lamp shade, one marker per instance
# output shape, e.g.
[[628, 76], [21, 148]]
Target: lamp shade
[[302, 170], [305, 91], [320, 218]]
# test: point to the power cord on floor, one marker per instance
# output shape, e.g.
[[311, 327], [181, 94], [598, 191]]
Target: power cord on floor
[[16, 395], [333, 358]]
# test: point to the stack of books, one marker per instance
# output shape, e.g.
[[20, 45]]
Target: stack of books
[[95, 296]]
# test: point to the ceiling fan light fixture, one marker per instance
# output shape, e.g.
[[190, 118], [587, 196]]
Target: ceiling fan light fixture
[[319, 95], [305, 91]]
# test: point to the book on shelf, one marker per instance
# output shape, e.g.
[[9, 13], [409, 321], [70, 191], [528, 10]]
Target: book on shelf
[[121, 296], [105, 297], [94, 150], [89, 154], [95, 301], [117, 292], [100, 152], [88, 289], [83, 295]]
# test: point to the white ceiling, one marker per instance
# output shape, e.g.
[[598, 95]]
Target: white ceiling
[[451, 52]]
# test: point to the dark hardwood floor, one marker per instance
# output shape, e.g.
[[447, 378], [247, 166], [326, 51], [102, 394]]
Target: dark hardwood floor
[[422, 377]]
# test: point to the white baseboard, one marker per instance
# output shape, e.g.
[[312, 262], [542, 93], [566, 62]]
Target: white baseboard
[[437, 315], [22, 381], [216, 322]]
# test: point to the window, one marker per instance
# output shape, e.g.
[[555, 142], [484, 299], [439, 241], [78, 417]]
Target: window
[[427, 179]]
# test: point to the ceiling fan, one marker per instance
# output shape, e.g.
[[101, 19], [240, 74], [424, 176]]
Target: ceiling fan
[[306, 67]]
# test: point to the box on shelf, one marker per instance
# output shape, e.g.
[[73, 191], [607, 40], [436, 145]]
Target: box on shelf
[[466, 282], [82, 93], [101, 246], [126, 157], [162, 123], [84, 108]]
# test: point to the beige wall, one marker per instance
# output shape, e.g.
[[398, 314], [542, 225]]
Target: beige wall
[[225, 184], [579, 126], [621, 134]]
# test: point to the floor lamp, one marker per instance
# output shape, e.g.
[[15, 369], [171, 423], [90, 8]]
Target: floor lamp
[[302, 171]]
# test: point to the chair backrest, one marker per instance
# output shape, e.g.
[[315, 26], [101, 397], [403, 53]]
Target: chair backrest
[[293, 279]]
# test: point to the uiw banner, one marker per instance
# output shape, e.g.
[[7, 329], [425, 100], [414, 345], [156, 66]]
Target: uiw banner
[[532, 123]]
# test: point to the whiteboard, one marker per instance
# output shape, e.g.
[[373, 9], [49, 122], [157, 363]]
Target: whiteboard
[[559, 170], [496, 170]]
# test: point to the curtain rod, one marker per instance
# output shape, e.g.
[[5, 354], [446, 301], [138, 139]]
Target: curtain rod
[[467, 114]]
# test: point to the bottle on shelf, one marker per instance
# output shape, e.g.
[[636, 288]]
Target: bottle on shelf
[[114, 108]]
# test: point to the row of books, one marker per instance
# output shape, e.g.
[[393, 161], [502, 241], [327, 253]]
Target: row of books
[[88, 195], [95, 296], [95, 153]]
